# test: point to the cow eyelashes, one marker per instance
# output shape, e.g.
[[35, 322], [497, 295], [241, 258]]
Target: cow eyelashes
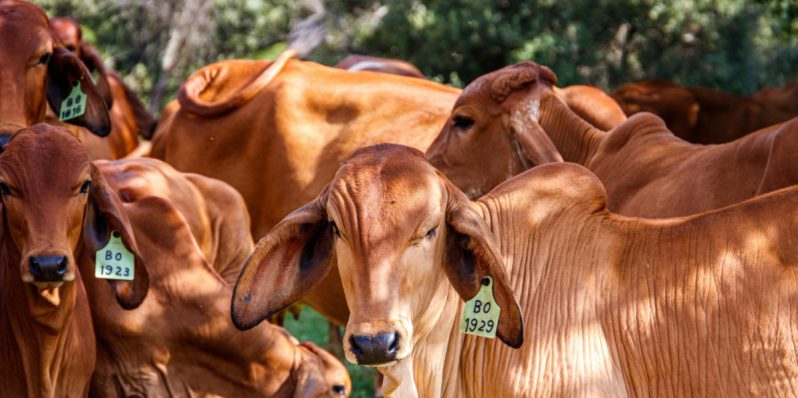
[[462, 122], [44, 59], [336, 232], [431, 233], [85, 187], [5, 190]]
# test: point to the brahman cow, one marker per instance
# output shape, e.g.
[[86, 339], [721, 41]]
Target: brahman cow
[[34, 67], [57, 211], [129, 117], [647, 171], [611, 305], [705, 115]]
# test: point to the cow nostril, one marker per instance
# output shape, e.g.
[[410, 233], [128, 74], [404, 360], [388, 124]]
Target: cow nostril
[[394, 344], [355, 347], [62, 266], [34, 267], [339, 389]]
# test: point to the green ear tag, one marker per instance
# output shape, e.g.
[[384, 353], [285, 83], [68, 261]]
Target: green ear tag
[[481, 313], [74, 105], [114, 261]]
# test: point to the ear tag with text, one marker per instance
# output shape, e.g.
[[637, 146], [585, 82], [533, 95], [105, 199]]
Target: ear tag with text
[[481, 313], [74, 105], [114, 261]]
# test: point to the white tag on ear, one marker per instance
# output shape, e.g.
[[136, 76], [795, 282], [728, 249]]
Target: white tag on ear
[[114, 261], [73, 105], [481, 313]]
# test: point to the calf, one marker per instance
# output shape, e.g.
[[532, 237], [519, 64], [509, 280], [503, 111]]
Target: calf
[[611, 306], [57, 212], [647, 171], [34, 67]]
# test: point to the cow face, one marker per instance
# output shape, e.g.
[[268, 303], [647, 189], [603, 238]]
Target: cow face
[[35, 66], [53, 199], [493, 131], [397, 230], [320, 374], [68, 31]]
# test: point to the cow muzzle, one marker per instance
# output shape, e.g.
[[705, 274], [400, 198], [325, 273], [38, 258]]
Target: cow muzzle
[[4, 138], [48, 268], [377, 349]]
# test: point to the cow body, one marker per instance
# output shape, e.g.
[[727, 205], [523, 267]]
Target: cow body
[[356, 62], [708, 116], [179, 342], [611, 305]]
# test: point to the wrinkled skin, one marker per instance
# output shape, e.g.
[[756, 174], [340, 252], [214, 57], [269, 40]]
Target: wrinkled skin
[[613, 306], [129, 117], [36, 69], [56, 209], [707, 116], [647, 171], [180, 342]]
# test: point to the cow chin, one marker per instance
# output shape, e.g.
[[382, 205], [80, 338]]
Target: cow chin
[[378, 343]]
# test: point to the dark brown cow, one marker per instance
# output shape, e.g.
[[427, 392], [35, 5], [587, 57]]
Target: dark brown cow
[[57, 212], [129, 117], [705, 115], [648, 171], [35, 67]]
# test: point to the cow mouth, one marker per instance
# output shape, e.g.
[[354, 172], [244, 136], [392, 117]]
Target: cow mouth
[[50, 292]]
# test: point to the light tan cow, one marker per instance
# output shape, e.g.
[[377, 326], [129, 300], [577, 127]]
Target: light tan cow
[[647, 171], [611, 305]]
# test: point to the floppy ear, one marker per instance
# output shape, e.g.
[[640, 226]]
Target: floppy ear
[[289, 261], [93, 61], [145, 121], [534, 142], [63, 71], [470, 256], [104, 215]]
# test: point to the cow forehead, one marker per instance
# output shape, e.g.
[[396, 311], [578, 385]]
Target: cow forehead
[[43, 155], [21, 26]]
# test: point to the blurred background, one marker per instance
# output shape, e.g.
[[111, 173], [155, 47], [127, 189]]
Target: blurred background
[[733, 45]]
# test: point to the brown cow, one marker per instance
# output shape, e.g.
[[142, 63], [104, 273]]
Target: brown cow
[[129, 117], [180, 341], [647, 171], [57, 212], [705, 115], [593, 105], [356, 62], [35, 67], [612, 306]]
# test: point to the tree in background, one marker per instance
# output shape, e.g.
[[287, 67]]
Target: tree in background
[[734, 45]]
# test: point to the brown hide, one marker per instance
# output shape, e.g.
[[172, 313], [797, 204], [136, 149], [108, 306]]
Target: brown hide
[[614, 306], [57, 212], [708, 116], [593, 105], [356, 62], [180, 341]]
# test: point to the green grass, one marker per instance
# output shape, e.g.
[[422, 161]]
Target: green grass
[[313, 327]]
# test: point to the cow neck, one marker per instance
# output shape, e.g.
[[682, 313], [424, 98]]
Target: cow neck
[[41, 331], [576, 139]]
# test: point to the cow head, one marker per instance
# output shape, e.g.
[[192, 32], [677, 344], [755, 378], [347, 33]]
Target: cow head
[[55, 204], [493, 131], [69, 33], [320, 374], [398, 231], [36, 69]]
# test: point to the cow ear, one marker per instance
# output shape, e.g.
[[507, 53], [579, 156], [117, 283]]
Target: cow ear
[[471, 255], [286, 264], [104, 215], [64, 71], [534, 142], [94, 62]]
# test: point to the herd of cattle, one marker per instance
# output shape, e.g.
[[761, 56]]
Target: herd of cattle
[[617, 258]]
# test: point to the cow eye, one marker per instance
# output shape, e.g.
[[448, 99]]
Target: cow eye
[[5, 190], [462, 122], [335, 229], [85, 187], [431, 233], [70, 47], [339, 389], [44, 59]]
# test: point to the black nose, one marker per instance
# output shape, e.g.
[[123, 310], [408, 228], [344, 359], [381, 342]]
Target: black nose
[[47, 268], [375, 350]]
